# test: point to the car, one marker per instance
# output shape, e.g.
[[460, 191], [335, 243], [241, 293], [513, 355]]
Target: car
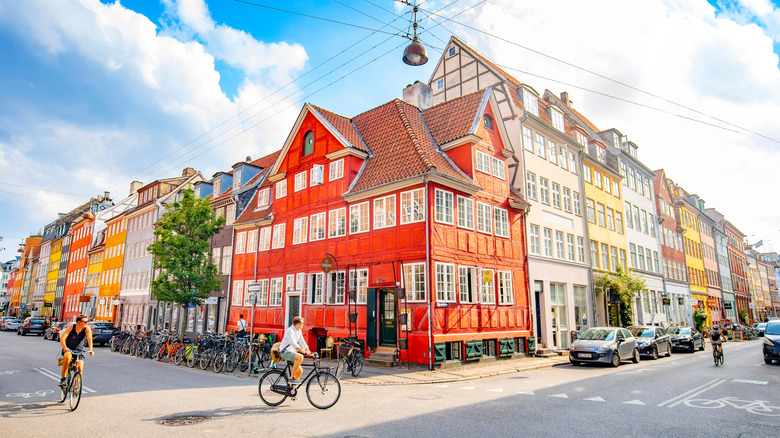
[[771, 344], [686, 338], [102, 331], [11, 324], [652, 341], [32, 324], [3, 320], [760, 328], [608, 345], [53, 331]]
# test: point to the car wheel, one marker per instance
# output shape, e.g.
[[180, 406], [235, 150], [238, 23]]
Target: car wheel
[[768, 361], [701, 347], [669, 350], [635, 359], [654, 355], [574, 362], [693, 347], [615, 359]]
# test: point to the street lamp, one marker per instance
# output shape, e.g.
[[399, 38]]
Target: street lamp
[[414, 54]]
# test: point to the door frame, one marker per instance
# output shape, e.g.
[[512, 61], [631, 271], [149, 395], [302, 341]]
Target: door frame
[[382, 293], [287, 306]]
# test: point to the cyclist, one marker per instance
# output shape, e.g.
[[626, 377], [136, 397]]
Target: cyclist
[[73, 338], [293, 348], [716, 338]]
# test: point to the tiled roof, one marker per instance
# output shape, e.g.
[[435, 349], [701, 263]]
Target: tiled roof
[[344, 126], [453, 119]]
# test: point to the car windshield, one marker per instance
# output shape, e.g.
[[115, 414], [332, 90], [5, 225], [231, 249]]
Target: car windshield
[[680, 331], [761, 325], [773, 328], [643, 332], [598, 335]]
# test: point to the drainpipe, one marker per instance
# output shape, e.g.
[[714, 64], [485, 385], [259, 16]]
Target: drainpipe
[[428, 277]]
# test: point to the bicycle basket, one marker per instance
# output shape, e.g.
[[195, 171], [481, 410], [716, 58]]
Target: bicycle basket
[[344, 348], [276, 355]]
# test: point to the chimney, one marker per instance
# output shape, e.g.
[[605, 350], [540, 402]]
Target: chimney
[[105, 196], [248, 158], [188, 171], [419, 95], [134, 186], [565, 98]]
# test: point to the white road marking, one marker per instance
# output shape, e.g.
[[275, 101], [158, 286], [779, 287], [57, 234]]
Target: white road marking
[[440, 386], [752, 382], [560, 395], [56, 377], [634, 402], [596, 399], [496, 390], [692, 393], [467, 387], [527, 393]]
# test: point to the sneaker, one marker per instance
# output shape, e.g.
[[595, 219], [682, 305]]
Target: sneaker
[[294, 382], [62, 382]]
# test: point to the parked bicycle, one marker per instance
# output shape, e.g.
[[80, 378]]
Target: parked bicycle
[[351, 359], [322, 386], [72, 388]]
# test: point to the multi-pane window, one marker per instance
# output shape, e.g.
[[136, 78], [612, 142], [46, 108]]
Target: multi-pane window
[[238, 293], [278, 236], [504, 279], [275, 291], [335, 288], [567, 199], [465, 212], [614, 256], [484, 218], [594, 254], [281, 189], [264, 242], [605, 256], [317, 175], [317, 227], [466, 284], [445, 282], [586, 173], [540, 146], [544, 190], [443, 207], [651, 224], [227, 258], [501, 217], [610, 218], [590, 206], [483, 162], [581, 249], [300, 230], [412, 206], [358, 281], [530, 184], [530, 102], [623, 258], [384, 212], [317, 288], [241, 242], [576, 198], [632, 252], [528, 141], [559, 248], [487, 289], [358, 218], [645, 228], [553, 151], [570, 247], [597, 178], [564, 158], [629, 218], [263, 198], [337, 223], [616, 189], [572, 163], [557, 119], [556, 195], [499, 169], [262, 294], [533, 240], [637, 221], [607, 184], [548, 246], [336, 170], [649, 258], [251, 241], [414, 281], [300, 181]]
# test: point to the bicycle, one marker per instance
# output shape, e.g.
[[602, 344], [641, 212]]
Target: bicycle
[[72, 388], [322, 387], [717, 355], [351, 359]]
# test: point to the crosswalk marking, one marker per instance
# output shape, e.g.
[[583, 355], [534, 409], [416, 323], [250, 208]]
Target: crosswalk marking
[[596, 399], [634, 402], [467, 387]]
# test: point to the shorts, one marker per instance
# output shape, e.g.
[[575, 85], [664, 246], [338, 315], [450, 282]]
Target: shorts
[[718, 342], [289, 354]]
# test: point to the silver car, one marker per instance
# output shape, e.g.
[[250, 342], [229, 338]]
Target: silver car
[[12, 324], [609, 345]]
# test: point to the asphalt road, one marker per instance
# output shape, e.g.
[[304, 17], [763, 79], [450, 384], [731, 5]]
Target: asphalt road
[[681, 396]]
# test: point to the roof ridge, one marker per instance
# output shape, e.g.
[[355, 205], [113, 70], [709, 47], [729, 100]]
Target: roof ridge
[[415, 141]]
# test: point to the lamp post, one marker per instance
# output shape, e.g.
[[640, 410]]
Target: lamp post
[[415, 53]]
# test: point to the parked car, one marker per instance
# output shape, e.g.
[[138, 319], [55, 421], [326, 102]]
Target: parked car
[[760, 328], [609, 345], [652, 341], [3, 320], [32, 324], [772, 342], [686, 338], [11, 324], [102, 332], [53, 331]]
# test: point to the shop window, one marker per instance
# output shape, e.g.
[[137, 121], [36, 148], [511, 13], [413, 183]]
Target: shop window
[[489, 347]]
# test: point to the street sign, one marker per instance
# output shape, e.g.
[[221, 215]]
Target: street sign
[[254, 288], [327, 264], [667, 302], [211, 300], [487, 276], [712, 302]]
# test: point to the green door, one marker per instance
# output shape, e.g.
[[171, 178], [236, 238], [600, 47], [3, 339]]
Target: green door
[[387, 333]]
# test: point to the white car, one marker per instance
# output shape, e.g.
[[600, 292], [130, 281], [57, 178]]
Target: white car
[[12, 324]]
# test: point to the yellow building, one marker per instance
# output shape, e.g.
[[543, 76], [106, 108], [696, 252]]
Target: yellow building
[[694, 257], [113, 259], [604, 214], [51, 278]]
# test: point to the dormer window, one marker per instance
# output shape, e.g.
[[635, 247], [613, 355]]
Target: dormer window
[[217, 187], [581, 138], [616, 140], [530, 102], [237, 174], [557, 119], [263, 197], [632, 151], [308, 143], [488, 122], [601, 154]]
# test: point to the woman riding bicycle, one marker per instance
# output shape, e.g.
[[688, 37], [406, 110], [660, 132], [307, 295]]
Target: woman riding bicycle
[[72, 338]]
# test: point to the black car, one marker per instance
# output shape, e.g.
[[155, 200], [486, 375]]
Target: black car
[[102, 332], [772, 342], [33, 325], [53, 331], [686, 338], [652, 341]]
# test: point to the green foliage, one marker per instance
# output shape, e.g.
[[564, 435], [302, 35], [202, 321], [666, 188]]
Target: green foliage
[[700, 319], [626, 286], [24, 315], [743, 315], [181, 251]]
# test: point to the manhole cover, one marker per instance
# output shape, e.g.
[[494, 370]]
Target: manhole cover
[[184, 420], [425, 397]]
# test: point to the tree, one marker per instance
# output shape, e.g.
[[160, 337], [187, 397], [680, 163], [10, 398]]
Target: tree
[[700, 319], [744, 316], [625, 286], [181, 252]]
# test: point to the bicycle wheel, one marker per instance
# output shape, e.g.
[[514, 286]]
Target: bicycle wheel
[[113, 344], [161, 353], [269, 380], [74, 395], [323, 390], [205, 360], [721, 359], [341, 366], [357, 364], [192, 356], [64, 390], [219, 362], [704, 403], [179, 357]]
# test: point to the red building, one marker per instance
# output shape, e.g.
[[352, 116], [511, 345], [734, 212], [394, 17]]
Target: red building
[[395, 202], [77, 268]]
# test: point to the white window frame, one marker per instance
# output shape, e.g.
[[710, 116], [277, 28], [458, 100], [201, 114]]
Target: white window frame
[[534, 240], [499, 168], [359, 218], [275, 292], [482, 162], [487, 289], [544, 190], [318, 227], [528, 139], [414, 278], [317, 176], [240, 242], [413, 206], [384, 212], [484, 218], [556, 195], [465, 212], [278, 236], [557, 119], [281, 189], [530, 102], [501, 218], [445, 283], [336, 228], [336, 170], [530, 185], [237, 297], [251, 241], [358, 280], [505, 292], [300, 230], [468, 288], [300, 181], [444, 206], [263, 197], [264, 239]]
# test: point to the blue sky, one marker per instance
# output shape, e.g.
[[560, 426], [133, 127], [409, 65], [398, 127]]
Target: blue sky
[[97, 94]]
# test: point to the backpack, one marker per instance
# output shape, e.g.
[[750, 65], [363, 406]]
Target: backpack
[[276, 355], [715, 336]]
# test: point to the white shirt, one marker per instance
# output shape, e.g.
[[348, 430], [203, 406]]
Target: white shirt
[[294, 338], [241, 324]]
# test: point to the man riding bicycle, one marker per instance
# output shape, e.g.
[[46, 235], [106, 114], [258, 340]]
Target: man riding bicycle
[[293, 348], [72, 338], [716, 338]]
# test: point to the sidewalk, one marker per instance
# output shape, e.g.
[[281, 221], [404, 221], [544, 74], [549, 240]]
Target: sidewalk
[[380, 376]]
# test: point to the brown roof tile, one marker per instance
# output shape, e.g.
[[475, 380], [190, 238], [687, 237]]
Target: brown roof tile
[[344, 126], [454, 118]]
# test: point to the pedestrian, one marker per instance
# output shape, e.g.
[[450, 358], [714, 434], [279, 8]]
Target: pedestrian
[[241, 326]]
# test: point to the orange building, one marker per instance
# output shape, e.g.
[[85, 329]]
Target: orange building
[[113, 258], [77, 269]]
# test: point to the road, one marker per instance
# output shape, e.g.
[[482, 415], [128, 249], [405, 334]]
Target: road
[[681, 396]]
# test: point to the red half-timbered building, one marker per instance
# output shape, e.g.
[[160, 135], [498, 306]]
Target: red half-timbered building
[[410, 212]]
